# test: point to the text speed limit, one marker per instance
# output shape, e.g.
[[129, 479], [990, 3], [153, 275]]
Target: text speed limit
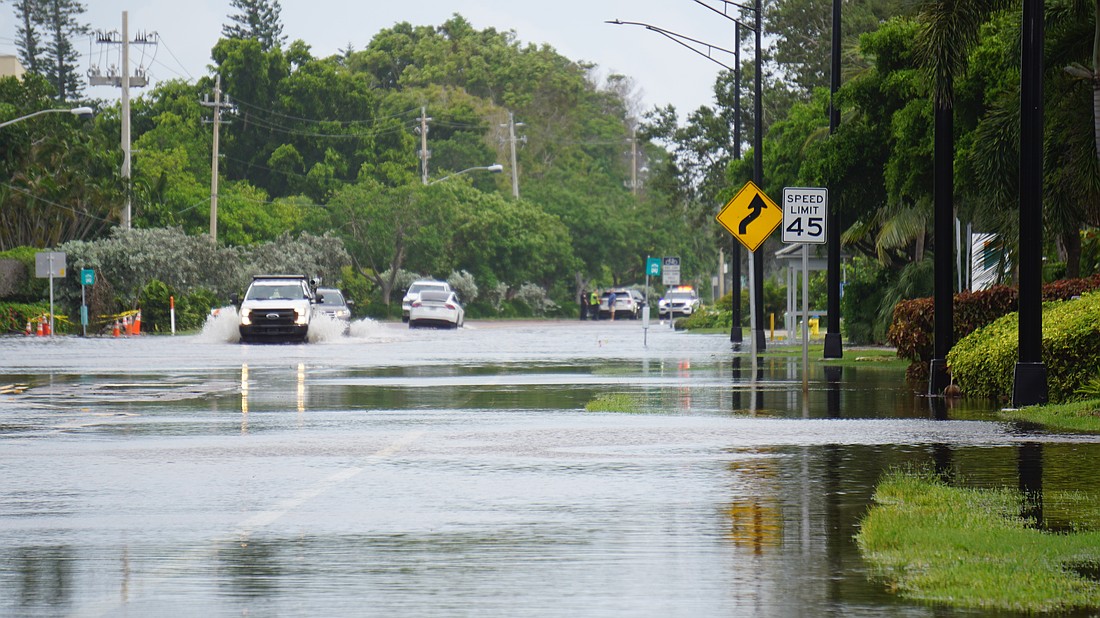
[[804, 213]]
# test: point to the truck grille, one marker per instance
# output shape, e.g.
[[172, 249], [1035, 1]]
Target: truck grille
[[273, 319]]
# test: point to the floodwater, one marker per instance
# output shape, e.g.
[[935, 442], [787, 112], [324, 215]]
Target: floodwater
[[392, 472]]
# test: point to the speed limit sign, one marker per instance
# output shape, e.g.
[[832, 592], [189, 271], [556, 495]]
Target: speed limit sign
[[804, 214]]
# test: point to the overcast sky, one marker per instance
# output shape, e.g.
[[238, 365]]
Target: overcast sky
[[663, 71]]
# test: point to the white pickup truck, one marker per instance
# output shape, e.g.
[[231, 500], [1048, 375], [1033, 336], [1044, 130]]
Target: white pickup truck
[[277, 308]]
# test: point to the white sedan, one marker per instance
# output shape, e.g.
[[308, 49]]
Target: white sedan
[[434, 308]]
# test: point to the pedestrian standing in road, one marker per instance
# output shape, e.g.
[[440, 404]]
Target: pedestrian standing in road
[[594, 304], [584, 305], [611, 305]]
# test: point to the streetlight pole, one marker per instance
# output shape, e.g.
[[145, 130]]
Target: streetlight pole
[[834, 347], [735, 247], [1030, 386], [76, 111], [495, 168], [757, 148]]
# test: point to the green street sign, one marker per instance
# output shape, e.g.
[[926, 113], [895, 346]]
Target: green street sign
[[87, 276], [653, 266]]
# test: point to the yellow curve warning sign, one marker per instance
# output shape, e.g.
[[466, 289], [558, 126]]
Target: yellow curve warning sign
[[751, 216]]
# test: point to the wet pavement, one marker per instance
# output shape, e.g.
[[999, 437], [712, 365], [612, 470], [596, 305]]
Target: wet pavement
[[457, 473]]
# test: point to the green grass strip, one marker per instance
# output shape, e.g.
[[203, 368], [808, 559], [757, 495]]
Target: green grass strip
[[1082, 416], [614, 402], [970, 548]]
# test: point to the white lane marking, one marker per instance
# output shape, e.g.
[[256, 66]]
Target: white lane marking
[[142, 585], [268, 517]]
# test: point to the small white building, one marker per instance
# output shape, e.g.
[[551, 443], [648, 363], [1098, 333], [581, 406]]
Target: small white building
[[10, 66]]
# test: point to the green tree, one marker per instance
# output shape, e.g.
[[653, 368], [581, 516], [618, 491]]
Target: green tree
[[61, 176], [381, 227], [258, 20], [28, 33], [60, 19]]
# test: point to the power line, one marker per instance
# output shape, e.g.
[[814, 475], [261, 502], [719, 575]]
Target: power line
[[408, 113], [170, 53], [52, 203]]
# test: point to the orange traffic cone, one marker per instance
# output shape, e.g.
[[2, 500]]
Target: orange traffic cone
[[46, 328], [137, 323], [28, 331], [115, 331], [38, 331]]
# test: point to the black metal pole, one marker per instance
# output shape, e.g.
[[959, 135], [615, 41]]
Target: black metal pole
[[758, 177], [735, 246], [834, 348], [944, 228], [1030, 381]]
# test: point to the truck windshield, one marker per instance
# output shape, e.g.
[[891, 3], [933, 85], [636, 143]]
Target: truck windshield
[[285, 291]]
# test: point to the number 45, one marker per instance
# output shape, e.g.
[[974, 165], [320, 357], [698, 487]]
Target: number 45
[[813, 226]]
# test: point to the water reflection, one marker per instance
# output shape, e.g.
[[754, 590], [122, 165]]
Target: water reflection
[[1030, 461], [756, 521], [507, 499], [44, 576], [244, 398]]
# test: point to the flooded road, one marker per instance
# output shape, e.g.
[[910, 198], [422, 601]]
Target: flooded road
[[458, 473]]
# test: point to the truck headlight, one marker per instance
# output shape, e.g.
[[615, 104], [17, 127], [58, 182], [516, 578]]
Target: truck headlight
[[246, 317], [301, 319]]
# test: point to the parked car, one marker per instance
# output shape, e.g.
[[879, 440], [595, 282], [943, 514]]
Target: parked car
[[628, 304], [276, 308], [414, 291], [436, 308], [332, 304], [680, 300]]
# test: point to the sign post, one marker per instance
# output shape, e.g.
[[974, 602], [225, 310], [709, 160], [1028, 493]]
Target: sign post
[[751, 216], [804, 222], [652, 267], [670, 271], [49, 264], [87, 277]]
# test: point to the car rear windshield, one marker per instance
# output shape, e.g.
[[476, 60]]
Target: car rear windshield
[[420, 287], [435, 297]]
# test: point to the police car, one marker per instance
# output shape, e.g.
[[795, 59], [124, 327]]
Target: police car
[[680, 300]]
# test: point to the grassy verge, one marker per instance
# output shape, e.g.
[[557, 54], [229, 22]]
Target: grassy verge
[[614, 402], [970, 548], [1082, 416]]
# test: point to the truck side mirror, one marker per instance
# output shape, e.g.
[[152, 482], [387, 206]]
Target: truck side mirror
[[235, 299]]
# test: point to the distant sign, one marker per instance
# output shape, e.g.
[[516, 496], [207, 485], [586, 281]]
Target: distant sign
[[804, 214], [670, 271], [652, 266], [87, 276], [49, 264]]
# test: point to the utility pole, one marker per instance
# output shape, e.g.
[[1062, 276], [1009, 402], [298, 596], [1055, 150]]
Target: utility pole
[[217, 104], [634, 161], [123, 80], [425, 154], [126, 212], [512, 139]]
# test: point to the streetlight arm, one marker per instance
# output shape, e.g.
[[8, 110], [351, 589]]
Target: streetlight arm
[[76, 111], [680, 39], [495, 168]]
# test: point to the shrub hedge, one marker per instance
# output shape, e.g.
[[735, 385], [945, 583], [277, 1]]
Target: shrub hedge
[[913, 325], [14, 316], [983, 362]]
